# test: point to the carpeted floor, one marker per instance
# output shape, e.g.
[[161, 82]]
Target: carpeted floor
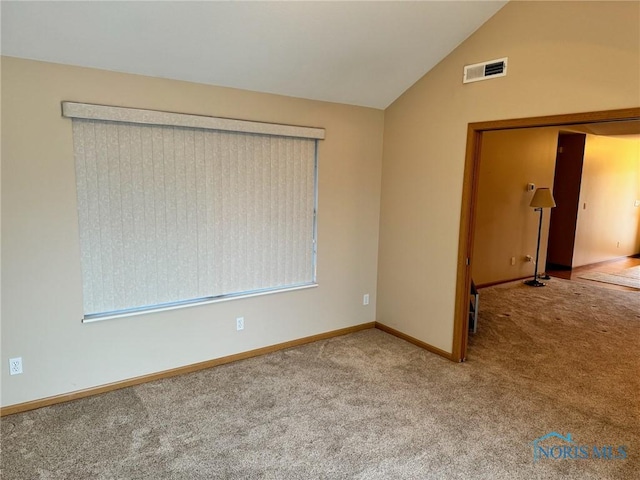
[[563, 358]]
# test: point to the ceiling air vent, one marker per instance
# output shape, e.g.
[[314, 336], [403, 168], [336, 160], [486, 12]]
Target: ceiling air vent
[[485, 70]]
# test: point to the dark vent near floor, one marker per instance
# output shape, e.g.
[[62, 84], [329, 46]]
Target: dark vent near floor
[[485, 70]]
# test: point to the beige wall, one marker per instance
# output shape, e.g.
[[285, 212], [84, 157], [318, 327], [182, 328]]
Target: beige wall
[[553, 48], [506, 226], [564, 57], [608, 227], [41, 284]]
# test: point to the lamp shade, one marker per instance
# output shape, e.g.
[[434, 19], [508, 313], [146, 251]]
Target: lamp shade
[[542, 199]]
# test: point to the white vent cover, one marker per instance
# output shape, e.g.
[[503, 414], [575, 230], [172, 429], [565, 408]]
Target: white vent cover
[[485, 70]]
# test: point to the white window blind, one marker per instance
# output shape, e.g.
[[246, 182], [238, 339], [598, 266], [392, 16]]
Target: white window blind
[[173, 215]]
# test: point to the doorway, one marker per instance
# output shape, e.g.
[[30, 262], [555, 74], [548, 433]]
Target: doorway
[[470, 193], [566, 191]]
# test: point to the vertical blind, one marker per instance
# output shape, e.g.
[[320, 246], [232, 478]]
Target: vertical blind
[[171, 215]]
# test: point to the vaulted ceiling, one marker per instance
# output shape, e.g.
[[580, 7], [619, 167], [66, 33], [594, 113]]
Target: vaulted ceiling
[[360, 53]]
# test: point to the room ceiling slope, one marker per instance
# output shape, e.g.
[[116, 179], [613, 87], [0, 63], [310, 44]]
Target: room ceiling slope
[[359, 53]]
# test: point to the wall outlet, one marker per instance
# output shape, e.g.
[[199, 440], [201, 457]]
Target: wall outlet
[[365, 299], [240, 323], [528, 258], [513, 260], [636, 203], [15, 366]]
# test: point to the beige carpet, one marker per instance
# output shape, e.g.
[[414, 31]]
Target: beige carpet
[[563, 358], [629, 277]]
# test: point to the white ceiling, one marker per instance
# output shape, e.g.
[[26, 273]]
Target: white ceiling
[[610, 129], [627, 129], [360, 53]]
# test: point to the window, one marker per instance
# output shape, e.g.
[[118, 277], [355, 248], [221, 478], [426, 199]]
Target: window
[[179, 209]]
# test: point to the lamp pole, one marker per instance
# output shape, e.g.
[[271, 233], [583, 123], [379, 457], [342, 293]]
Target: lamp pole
[[535, 282], [541, 199]]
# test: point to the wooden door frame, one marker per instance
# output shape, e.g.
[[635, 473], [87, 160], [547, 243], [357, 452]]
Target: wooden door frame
[[470, 195]]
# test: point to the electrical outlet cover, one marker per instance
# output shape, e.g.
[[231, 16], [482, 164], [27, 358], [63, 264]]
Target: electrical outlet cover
[[15, 366]]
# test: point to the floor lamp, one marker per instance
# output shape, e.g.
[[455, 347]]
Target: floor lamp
[[541, 199]]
